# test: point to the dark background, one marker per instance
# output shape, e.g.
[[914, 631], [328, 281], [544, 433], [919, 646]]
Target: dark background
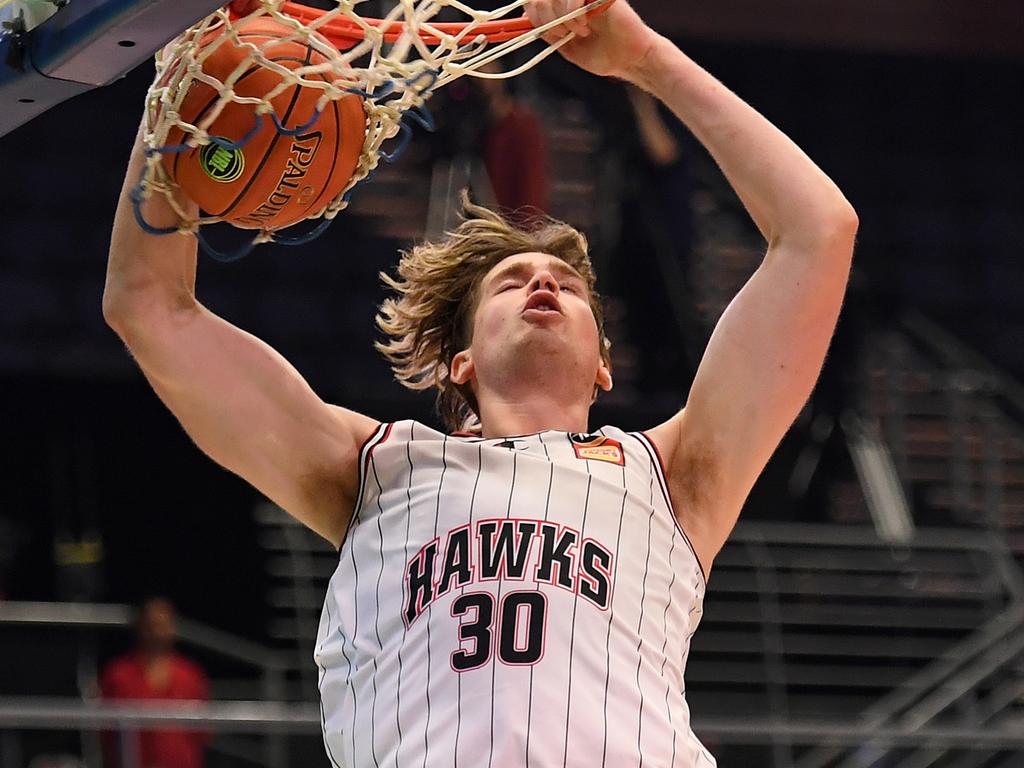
[[927, 145]]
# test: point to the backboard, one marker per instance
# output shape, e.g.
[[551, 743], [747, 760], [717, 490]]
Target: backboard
[[51, 50]]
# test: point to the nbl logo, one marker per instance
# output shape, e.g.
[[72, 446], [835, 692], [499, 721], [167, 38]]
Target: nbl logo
[[597, 448], [221, 164]]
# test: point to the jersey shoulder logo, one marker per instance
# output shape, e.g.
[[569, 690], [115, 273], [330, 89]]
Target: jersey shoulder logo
[[597, 448]]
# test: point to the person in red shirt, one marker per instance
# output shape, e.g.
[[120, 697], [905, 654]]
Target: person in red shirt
[[515, 153], [155, 672]]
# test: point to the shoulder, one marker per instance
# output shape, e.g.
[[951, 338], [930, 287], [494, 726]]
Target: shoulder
[[390, 442], [407, 430], [189, 671], [610, 430], [638, 439], [117, 673]]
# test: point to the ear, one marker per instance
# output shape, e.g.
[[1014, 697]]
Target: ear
[[604, 377], [462, 368]]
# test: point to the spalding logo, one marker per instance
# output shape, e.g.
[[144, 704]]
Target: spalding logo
[[291, 186], [597, 448]]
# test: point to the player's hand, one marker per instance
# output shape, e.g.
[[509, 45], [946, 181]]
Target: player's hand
[[613, 43]]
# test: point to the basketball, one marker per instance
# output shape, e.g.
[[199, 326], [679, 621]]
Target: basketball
[[273, 180]]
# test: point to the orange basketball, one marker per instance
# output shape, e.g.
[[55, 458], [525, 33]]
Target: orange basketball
[[275, 179]]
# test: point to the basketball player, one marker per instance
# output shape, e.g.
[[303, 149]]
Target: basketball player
[[521, 592]]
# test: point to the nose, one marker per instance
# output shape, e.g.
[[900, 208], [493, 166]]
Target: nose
[[544, 281]]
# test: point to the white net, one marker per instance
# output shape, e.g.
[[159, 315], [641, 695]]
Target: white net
[[392, 64]]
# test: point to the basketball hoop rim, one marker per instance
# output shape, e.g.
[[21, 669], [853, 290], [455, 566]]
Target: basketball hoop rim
[[393, 84], [344, 32]]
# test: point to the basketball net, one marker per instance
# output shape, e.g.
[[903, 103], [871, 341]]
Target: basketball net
[[394, 64]]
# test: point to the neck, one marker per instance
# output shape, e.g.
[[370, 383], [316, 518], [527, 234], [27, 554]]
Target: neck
[[501, 107], [540, 412], [153, 655]]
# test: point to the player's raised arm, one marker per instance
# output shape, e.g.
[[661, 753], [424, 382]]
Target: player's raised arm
[[765, 355], [242, 403]]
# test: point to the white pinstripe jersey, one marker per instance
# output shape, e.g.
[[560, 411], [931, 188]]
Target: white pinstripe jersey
[[510, 602]]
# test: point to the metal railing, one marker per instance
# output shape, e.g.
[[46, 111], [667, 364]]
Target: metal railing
[[952, 419], [292, 718], [269, 665], [116, 616]]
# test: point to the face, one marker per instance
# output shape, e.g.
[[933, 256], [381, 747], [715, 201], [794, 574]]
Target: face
[[533, 317], [156, 626]]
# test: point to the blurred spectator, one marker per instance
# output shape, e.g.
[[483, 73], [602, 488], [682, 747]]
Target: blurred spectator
[[515, 151], [663, 164], [643, 240], [154, 671], [492, 142]]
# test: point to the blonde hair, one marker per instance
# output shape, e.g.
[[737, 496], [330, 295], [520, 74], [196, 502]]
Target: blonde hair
[[430, 319]]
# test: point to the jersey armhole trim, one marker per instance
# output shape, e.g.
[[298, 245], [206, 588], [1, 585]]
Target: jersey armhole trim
[[380, 435], [659, 470]]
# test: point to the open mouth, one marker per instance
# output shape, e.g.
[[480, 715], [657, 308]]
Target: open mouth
[[544, 302]]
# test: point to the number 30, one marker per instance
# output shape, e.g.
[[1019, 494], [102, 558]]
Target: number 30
[[479, 630]]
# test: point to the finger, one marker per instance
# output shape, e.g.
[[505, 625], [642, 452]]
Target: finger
[[530, 9], [580, 24], [539, 12], [557, 36], [543, 12], [559, 10]]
